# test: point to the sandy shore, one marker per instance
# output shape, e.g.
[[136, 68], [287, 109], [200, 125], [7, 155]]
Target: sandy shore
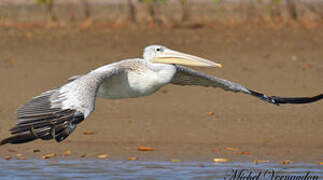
[[175, 121]]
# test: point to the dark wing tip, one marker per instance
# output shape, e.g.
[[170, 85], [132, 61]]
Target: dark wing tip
[[58, 126], [286, 100], [18, 139], [265, 98], [298, 100]]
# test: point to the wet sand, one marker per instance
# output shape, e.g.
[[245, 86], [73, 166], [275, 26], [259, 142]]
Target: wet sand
[[175, 120]]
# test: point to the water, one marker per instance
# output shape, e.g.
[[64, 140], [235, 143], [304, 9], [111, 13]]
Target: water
[[108, 169]]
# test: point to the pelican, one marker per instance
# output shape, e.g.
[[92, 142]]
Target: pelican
[[56, 113]]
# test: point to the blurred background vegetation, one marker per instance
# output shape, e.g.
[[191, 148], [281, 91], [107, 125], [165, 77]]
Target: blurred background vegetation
[[163, 12]]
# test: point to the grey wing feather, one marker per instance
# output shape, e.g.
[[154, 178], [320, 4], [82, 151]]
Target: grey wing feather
[[39, 104], [45, 117], [187, 76]]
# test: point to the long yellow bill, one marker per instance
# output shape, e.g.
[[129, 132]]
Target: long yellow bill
[[173, 57]]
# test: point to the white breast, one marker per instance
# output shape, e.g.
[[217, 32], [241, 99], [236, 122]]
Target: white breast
[[136, 83]]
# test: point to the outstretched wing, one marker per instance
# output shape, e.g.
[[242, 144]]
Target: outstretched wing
[[55, 113], [186, 76]]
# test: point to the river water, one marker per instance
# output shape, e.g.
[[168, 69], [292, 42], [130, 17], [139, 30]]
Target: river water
[[111, 169]]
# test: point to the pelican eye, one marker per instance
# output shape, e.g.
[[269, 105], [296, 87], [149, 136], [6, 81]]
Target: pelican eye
[[158, 49]]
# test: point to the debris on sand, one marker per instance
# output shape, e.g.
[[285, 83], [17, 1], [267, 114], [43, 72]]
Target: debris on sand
[[19, 155], [48, 156], [89, 133], [244, 153], [286, 162], [133, 158], [36, 150], [68, 153], [143, 148], [102, 156], [86, 155], [260, 161], [175, 160], [231, 149], [220, 160]]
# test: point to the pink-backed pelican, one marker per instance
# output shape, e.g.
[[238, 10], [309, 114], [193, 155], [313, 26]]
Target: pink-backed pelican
[[55, 113]]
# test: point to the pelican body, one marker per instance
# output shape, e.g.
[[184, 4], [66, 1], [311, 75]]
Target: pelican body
[[56, 113], [142, 81]]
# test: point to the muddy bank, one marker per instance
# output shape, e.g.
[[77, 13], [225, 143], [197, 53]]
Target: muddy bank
[[175, 120]]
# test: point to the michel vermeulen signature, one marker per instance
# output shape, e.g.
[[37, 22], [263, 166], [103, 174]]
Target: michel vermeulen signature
[[261, 174]]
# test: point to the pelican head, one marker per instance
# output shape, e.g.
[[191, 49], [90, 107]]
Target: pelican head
[[161, 54]]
